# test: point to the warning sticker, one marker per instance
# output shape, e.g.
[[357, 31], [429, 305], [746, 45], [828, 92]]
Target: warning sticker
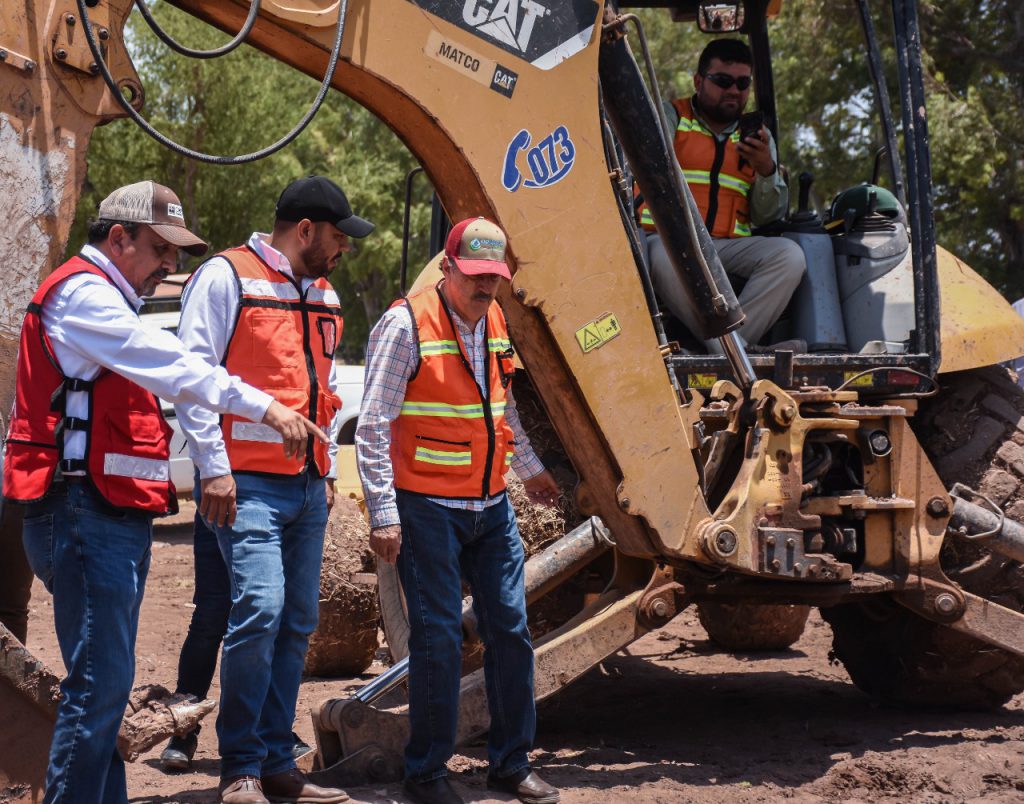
[[598, 332], [866, 381], [701, 380]]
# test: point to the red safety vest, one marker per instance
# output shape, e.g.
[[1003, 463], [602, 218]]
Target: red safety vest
[[450, 439], [719, 184], [283, 343], [128, 441]]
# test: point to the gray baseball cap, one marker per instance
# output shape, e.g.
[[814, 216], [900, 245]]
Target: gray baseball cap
[[156, 206]]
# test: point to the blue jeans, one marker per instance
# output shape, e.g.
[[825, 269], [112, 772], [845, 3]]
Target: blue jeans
[[273, 554], [212, 599], [93, 559], [440, 546]]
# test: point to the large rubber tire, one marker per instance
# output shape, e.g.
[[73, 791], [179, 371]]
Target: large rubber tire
[[752, 627], [972, 431]]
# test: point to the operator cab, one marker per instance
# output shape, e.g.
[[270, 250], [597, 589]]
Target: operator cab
[[856, 306]]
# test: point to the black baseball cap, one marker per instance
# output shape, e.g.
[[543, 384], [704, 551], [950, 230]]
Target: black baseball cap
[[322, 201]]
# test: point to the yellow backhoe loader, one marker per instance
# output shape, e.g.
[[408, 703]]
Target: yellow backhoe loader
[[871, 477]]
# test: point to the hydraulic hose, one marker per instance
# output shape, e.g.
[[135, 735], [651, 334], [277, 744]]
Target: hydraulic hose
[[164, 140]]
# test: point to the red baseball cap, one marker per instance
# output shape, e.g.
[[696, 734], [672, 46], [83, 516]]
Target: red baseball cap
[[477, 246]]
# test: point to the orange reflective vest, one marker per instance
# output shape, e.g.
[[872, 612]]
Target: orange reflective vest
[[451, 439], [283, 343], [720, 184], [127, 441]]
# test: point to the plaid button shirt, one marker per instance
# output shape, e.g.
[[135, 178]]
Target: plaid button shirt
[[392, 354]]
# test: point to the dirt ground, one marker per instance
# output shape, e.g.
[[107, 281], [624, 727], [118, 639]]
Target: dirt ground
[[668, 720]]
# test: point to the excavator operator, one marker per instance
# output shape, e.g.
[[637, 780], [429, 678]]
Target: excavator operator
[[733, 175]]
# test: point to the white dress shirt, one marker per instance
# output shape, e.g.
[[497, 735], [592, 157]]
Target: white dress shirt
[[209, 308], [92, 326]]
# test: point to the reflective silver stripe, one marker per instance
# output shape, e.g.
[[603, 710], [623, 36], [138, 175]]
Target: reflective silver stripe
[[251, 431], [733, 183], [697, 176], [692, 127], [430, 348], [441, 409], [450, 411], [328, 296], [285, 291], [724, 179], [133, 466], [444, 457]]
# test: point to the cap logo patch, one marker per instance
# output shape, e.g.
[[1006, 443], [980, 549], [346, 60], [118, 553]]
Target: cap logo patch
[[175, 211], [478, 243]]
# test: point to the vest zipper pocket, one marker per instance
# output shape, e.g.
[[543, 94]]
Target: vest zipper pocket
[[443, 441], [30, 443]]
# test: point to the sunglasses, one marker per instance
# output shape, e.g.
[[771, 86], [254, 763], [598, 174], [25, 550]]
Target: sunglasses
[[726, 81]]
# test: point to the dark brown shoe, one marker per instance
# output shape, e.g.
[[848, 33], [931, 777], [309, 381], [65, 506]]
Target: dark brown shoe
[[293, 786], [525, 785], [241, 790], [434, 791]]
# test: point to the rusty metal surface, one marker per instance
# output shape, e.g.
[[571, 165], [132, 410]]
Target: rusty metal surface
[[663, 599], [992, 623], [29, 694], [563, 559], [974, 523], [767, 490], [762, 524], [48, 110]]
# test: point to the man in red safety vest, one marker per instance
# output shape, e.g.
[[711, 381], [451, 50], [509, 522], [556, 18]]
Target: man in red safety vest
[[437, 432], [87, 455], [737, 184]]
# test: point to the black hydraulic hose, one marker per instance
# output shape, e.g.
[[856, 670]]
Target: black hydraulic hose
[[403, 273], [197, 155], [882, 99], [175, 45], [919, 185]]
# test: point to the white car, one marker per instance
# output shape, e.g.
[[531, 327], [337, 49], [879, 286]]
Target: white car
[[163, 313]]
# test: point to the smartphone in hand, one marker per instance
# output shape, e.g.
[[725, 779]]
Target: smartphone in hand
[[751, 124]]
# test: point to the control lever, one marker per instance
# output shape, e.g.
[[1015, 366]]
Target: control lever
[[804, 213]]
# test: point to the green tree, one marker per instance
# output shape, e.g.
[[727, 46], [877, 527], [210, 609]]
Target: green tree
[[976, 112]]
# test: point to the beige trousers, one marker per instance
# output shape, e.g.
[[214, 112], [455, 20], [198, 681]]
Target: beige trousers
[[772, 266]]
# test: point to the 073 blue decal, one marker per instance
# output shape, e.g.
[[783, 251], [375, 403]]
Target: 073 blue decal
[[547, 162]]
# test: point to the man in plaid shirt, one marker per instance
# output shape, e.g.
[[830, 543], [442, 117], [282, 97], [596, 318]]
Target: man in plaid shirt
[[437, 430]]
